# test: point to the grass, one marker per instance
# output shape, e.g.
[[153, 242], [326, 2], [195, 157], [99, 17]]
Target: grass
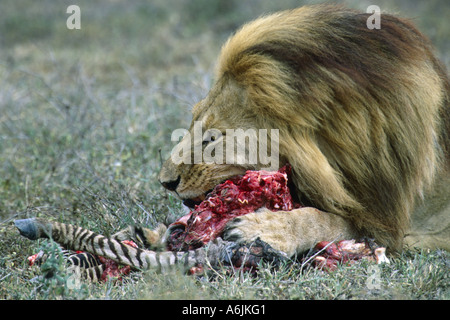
[[85, 113]]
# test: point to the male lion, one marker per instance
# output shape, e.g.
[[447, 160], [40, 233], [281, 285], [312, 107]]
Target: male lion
[[363, 118]]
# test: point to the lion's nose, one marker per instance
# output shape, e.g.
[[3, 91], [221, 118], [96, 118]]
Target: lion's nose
[[172, 184]]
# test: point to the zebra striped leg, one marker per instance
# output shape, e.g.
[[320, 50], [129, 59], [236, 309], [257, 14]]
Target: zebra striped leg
[[76, 238], [214, 254]]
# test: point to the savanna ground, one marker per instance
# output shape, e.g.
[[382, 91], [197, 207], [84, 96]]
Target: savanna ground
[[84, 113]]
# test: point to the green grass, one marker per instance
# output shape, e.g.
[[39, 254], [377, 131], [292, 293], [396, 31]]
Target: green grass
[[85, 113]]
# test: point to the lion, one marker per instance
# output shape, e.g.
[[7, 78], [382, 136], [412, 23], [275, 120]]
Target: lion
[[363, 118]]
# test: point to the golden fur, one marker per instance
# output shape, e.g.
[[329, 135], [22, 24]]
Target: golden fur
[[363, 118]]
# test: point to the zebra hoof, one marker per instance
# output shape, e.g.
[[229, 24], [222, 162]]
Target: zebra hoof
[[27, 228]]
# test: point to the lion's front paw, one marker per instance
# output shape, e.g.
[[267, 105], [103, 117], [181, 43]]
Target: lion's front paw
[[240, 230], [291, 232], [270, 227]]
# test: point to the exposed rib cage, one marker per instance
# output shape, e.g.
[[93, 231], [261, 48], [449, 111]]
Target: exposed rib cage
[[85, 264]]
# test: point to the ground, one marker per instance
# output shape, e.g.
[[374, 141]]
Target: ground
[[86, 116]]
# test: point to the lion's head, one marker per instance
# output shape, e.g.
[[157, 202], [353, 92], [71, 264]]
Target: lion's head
[[191, 178], [357, 113]]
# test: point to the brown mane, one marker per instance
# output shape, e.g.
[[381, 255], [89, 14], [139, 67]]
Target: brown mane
[[359, 111]]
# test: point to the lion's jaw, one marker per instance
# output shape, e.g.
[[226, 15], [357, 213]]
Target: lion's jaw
[[191, 183]]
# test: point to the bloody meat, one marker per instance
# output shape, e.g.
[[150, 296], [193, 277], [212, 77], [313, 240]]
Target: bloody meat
[[233, 198], [236, 197]]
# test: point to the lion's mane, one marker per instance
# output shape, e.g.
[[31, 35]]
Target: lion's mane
[[362, 114]]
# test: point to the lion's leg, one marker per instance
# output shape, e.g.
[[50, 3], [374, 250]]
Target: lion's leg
[[292, 232]]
